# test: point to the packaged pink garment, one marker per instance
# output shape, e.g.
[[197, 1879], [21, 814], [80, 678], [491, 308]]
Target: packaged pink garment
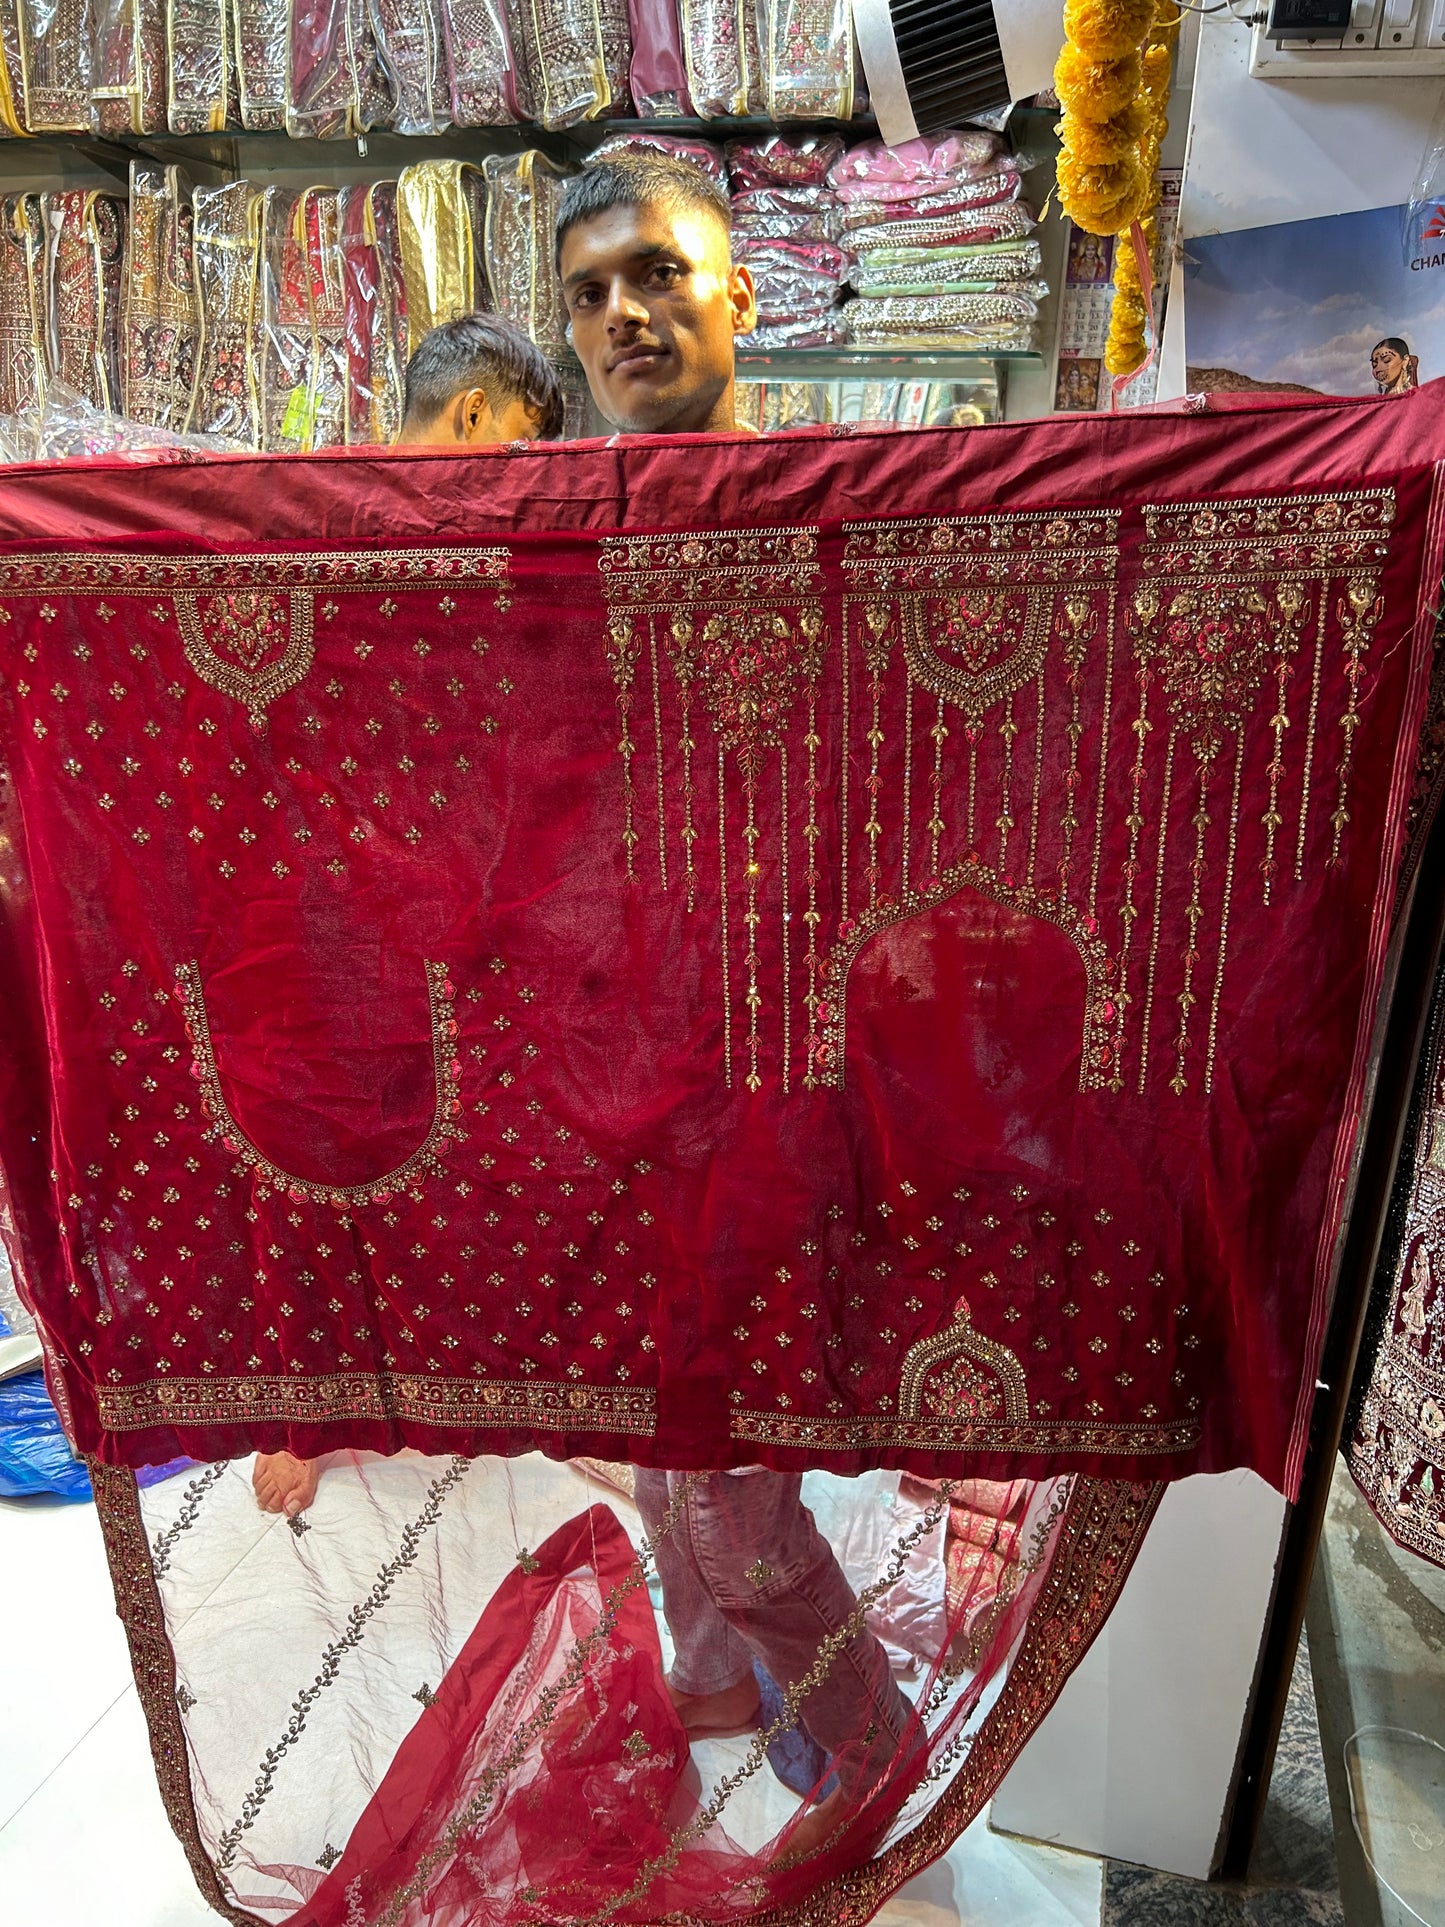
[[967, 153], [659, 71], [701, 153], [963, 190], [776, 162]]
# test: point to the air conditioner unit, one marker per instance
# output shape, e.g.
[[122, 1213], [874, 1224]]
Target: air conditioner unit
[[933, 63], [1349, 39]]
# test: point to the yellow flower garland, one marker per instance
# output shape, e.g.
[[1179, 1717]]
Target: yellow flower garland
[[1112, 79]]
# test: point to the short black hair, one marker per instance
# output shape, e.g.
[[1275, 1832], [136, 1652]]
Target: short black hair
[[483, 351], [641, 179]]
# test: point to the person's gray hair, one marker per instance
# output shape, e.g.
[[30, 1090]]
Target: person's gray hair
[[482, 351], [641, 179]]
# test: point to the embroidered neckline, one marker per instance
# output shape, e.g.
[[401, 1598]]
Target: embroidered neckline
[[222, 1127]]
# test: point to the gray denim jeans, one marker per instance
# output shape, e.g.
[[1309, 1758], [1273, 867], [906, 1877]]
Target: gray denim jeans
[[746, 1572]]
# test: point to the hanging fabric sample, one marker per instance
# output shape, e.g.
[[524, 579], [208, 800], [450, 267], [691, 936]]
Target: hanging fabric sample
[[375, 313], [524, 192], [478, 59], [12, 70], [228, 259], [560, 75], [198, 65], [128, 66], [261, 42], [439, 206], [55, 64], [24, 358], [84, 270], [162, 320], [807, 59]]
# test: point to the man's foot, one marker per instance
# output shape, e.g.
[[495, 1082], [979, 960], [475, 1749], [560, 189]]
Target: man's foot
[[284, 1483], [718, 1716], [817, 1828]]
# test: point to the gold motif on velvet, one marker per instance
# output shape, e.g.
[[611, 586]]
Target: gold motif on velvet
[[944, 729], [960, 1377], [251, 645], [506, 1404]]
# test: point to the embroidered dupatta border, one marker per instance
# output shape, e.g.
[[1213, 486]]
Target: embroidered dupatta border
[[1102, 1531]]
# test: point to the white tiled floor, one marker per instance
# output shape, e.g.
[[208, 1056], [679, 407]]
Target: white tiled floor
[[84, 1841]]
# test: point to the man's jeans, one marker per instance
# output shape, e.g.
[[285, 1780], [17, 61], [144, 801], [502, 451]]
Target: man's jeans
[[746, 1572]]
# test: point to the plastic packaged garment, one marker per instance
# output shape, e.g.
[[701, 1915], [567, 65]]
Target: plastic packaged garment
[[54, 38], [702, 154], [780, 162], [84, 287], [523, 193], [261, 46], [1002, 322], [796, 214], [723, 55], [228, 261], [793, 280], [561, 67], [945, 195], [24, 361], [888, 172], [478, 60], [198, 66], [12, 72], [375, 313], [160, 347], [807, 59], [1001, 266], [972, 227], [128, 66], [658, 75], [324, 97], [825, 329], [409, 44]]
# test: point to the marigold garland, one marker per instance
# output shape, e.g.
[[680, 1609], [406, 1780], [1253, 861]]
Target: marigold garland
[[1112, 79]]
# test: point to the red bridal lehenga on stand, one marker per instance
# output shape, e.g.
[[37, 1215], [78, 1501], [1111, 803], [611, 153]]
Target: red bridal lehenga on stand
[[582, 1003]]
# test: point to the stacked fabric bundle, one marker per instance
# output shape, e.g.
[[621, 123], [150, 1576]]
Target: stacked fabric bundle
[[940, 246], [786, 223]]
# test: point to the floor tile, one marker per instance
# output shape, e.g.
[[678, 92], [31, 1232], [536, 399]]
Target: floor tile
[[63, 1657], [92, 1847]]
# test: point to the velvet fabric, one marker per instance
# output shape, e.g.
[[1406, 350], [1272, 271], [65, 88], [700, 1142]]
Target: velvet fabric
[[854, 951]]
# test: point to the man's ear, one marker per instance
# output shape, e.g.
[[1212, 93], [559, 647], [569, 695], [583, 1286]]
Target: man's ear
[[743, 300], [474, 415]]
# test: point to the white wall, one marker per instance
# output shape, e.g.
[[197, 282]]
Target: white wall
[[1137, 1759]]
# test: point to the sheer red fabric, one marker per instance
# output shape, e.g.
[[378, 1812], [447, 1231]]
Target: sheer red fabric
[[856, 952]]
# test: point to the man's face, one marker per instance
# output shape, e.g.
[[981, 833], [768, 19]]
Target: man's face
[[655, 303]]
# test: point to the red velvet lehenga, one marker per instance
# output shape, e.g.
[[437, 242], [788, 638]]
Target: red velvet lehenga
[[852, 955]]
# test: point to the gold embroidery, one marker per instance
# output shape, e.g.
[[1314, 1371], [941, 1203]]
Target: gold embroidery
[[1102, 1014], [250, 645], [425, 1162], [499, 1404], [960, 1376], [816, 1433]]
